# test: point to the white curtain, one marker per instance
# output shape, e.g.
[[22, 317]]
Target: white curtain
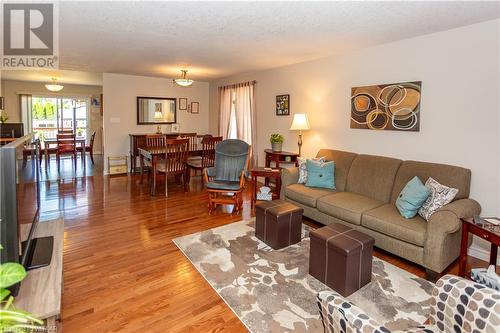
[[246, 117], [225, 100], [26, 113]]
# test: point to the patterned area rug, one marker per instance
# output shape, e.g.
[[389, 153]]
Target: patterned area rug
[[271, 291]]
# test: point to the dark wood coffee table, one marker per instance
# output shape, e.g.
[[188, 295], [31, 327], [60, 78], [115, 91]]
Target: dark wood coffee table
[[480, 228]]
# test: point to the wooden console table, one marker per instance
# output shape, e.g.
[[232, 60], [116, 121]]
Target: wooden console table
[[486, 231], [40, 292]]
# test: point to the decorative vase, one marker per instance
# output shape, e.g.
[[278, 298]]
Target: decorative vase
[[276, 146]]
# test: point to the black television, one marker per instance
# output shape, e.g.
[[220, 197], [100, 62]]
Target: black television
[[20, 204]]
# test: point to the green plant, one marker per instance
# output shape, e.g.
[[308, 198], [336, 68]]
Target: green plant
[[12, 319], [276, 138], [3, 116]]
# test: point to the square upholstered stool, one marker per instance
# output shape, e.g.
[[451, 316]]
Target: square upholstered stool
[[341, 257], [278, 223]]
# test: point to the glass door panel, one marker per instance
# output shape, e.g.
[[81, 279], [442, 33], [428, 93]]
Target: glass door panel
[[51, 115], [44, 116]]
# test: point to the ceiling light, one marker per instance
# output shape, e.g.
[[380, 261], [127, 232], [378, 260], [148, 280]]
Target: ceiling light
[[183, 81], [54, 86]]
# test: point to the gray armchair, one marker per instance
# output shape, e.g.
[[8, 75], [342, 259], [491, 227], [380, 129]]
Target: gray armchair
[[457, 305], [225, 181]]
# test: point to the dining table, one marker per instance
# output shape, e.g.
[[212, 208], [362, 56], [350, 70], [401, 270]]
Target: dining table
[[153, 154], [79, 140]]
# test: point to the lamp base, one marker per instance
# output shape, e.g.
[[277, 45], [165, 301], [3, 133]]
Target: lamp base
[[299, 142]]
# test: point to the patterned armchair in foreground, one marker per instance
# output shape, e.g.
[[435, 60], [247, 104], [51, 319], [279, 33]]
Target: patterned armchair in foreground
[[458, 305], [226, 180]]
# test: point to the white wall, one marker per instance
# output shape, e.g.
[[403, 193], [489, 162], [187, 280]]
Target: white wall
[[459, 70], [120, 108]]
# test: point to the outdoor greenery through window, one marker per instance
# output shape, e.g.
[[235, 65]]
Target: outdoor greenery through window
[[50, 115]]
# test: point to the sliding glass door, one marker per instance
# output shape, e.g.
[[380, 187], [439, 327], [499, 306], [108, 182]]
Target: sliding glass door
[[51, 115]]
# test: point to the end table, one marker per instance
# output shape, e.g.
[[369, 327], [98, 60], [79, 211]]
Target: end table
[[480, 228], [261, 172]]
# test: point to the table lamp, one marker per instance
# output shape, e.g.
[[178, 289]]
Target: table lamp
[[300, 123]]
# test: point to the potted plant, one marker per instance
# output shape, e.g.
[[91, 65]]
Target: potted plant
[[12, 319], [276, 141], [3, 116]]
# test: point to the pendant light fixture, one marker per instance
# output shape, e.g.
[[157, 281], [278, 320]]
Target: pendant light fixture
[[54, 86], [183, 81]]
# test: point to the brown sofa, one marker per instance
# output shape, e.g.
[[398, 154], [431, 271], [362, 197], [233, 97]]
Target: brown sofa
[[367, 187]]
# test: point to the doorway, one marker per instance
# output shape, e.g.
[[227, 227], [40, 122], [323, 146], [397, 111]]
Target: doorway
[[49, 115]]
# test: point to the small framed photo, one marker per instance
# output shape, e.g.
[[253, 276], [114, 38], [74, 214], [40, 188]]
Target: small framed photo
[[283, 105], [183, 104], [195, 107], [175, 128]]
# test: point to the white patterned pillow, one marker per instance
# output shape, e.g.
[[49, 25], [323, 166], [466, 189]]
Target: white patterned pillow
[[440, 196], [303, 169]]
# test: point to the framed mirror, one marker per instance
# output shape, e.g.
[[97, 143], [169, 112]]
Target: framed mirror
[[156, 110]]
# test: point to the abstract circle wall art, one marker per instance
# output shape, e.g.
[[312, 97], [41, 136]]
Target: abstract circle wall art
[[393, 106]]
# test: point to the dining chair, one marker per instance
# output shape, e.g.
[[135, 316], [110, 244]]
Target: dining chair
[[88, 148], [175, 161], [66, 145], [65, 131], [225, 181], [155, 140], [193, 140], [207, 158]]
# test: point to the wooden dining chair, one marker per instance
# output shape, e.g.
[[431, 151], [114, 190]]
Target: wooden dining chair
[[65, 131], [207, 159], [155, 140], [175, 161], [66, 145], [193, 140], [88, 148]]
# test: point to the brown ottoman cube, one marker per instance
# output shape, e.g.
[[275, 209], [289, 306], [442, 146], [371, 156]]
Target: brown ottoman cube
[[278, 223], [341, 257]]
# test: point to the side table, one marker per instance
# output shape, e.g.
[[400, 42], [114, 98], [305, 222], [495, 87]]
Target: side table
[[280, 157], [480, 228], [261, 172]]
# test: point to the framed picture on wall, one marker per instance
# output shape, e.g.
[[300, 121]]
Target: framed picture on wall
[[283, 105], [183, 104], [195, 107]]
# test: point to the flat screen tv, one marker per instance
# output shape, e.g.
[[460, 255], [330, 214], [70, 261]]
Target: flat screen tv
[[20, 204]]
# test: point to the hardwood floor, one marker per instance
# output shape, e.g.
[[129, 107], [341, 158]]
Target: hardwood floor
[[122, 272]]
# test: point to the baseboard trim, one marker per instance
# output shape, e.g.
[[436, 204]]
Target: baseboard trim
[[480, 253]]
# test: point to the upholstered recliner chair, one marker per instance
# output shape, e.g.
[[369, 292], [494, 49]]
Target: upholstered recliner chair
[[226, 180], [457, 305]]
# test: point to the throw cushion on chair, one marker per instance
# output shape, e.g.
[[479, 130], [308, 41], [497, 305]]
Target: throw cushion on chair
[[440, 196], [320, 174], [412, 197], [303, 168]]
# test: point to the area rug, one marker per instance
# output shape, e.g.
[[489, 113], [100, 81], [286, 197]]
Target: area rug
[[271, 290]]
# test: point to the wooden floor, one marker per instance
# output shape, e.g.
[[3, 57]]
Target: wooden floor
[[122, 272]]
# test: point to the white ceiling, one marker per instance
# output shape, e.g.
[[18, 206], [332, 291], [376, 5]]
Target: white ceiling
[[217, 39]]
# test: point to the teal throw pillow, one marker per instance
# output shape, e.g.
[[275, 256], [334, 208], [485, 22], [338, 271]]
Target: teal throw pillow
[[412, 197], [320, 174]]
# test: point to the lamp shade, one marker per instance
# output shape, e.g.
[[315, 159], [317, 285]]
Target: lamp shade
[[300, 122]]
